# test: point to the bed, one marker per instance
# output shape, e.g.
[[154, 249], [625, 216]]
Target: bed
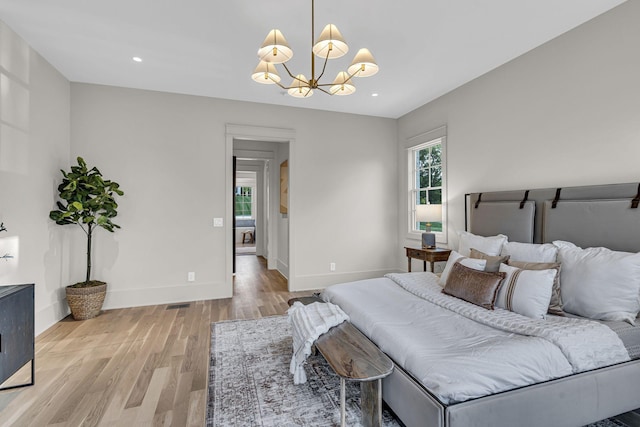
[[500, 367]]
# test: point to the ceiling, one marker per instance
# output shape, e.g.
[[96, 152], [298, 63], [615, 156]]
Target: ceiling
[[425, 48]]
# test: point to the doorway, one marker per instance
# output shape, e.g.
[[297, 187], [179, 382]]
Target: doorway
[[261, 229], [262, 150]]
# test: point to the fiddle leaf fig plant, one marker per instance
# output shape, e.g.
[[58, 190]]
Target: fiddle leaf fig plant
[[87, 200]]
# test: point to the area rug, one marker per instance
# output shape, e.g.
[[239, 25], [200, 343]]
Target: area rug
[[250, 383]]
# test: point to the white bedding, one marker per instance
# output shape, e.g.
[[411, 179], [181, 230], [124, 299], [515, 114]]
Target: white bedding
[[458, 358]]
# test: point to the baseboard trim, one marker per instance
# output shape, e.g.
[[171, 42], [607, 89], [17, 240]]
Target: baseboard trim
[[50, 315], [124, 298], [283, 268]]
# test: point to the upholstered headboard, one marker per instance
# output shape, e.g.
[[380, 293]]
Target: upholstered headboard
[[598, 215]]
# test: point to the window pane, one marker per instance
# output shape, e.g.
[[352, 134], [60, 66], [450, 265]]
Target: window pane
[[421, 198], [424, 178], [422, 159], [436, 226], [435, 197], [436, 154], [436, 176]]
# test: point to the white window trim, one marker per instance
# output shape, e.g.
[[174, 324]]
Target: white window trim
[[413, 143]]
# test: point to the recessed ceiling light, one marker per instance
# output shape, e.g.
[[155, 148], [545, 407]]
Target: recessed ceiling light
[[374, 94], [137, 59]]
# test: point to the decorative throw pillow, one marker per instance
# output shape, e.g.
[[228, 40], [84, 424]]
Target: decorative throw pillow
[[477, 287], [493, 262], [526, 292], [555, 305], [476, 264], [599, 283], [530, 252], [491, 245]]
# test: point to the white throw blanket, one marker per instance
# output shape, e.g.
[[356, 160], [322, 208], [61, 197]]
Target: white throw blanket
[[308, 322]]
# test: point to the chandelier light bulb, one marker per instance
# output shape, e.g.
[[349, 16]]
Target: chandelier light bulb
[[342, 85], [363, 65], [330, 44], [275, 48], [300, 87], [265, 73]]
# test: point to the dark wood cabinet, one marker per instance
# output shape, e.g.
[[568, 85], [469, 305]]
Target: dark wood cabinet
[[16, 331]]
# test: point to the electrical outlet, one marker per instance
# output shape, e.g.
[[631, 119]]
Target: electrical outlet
[[191, 276], [332, 266]]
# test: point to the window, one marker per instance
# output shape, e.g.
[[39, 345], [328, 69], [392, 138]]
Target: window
[[427, 176], [244, 202]]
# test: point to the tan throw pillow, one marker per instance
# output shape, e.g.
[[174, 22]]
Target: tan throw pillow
[[555, 305], [493, 262], [477, 287]]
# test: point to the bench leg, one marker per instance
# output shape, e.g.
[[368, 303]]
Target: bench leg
[[371, 403]]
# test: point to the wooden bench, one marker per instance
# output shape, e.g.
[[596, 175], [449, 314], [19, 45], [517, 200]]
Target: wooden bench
[[352, 356]]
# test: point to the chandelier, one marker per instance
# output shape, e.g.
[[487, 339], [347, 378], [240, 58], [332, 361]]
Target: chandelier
[[330, 45]]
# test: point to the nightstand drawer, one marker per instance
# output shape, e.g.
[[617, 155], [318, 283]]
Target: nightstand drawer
[[416, 253]]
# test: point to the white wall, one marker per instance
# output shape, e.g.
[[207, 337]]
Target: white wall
[[168, 153], [566, 113], [34, 146]]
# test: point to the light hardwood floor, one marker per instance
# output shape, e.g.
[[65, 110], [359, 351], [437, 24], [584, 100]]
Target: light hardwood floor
[[136, 366]]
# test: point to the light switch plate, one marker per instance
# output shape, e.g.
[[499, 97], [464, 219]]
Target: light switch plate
[[218, 222]]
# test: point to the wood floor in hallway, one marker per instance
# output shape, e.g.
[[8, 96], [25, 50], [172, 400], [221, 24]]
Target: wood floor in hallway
[[136, 366]]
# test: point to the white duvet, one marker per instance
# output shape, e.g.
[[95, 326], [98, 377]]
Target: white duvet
[[460, 351]]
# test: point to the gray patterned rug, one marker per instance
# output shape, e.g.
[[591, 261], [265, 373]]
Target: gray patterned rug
[[250, 383]]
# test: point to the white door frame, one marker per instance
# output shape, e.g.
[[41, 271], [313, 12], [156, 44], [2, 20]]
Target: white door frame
[[257, 133]]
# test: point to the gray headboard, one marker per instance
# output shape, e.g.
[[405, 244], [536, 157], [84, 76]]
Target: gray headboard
[[597, 215]]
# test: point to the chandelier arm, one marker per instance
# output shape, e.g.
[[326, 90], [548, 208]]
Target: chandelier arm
[[325, 91], [280, 84], [327, 84], [352, 75], [289, 72]]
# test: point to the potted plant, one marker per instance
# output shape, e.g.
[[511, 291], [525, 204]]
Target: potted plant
[[88, 201]]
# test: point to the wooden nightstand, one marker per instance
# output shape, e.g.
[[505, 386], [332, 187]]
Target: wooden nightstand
[[432, 255]]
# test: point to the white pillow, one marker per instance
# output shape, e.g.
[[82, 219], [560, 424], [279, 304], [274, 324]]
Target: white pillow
[[530, 252], [526, 292], [599, 283], [476, 264], [491, 245]]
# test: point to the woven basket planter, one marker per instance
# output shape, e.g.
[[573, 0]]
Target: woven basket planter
[[86, 303]]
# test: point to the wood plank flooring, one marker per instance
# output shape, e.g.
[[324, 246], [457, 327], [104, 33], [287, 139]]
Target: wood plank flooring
[[142, 366]]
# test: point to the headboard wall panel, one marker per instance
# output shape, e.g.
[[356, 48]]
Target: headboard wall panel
[[608, 223], [597, 215], [491, 218]]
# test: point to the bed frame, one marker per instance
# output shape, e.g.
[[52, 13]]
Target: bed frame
[[604, 215]]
